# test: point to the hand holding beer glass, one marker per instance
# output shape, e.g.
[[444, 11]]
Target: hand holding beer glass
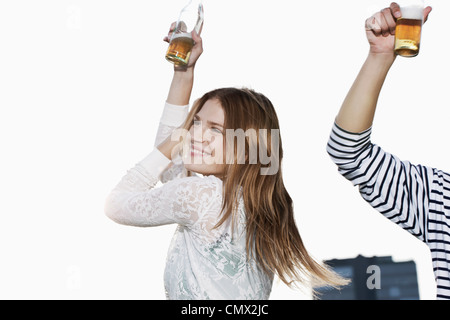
[[181, 42], [390, 31], [409, 28]]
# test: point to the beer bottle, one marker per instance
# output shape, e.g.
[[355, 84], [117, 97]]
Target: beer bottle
[[181, 42]]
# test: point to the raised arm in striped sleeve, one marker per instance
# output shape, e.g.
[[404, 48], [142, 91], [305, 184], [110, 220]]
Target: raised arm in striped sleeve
[[415, 197]]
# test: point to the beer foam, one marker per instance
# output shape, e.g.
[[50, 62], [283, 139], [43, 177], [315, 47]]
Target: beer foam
[[182, 35], [412, 12]]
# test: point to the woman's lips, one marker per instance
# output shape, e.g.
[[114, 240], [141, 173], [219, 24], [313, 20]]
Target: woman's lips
[[198, 152]]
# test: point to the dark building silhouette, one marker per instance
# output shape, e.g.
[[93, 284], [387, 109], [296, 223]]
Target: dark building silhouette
[[373, 278]]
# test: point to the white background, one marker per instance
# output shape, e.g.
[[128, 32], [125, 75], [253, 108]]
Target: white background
[[82, 87]]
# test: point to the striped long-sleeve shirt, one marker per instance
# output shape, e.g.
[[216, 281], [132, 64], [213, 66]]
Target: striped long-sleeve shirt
[[415, 197]]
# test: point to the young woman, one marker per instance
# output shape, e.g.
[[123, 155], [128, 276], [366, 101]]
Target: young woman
[[236, 227], [415, 197]]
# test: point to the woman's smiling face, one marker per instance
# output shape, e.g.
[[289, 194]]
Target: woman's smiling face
[[205, 152]]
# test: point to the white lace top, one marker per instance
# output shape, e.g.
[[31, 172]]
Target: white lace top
[[202, 262]]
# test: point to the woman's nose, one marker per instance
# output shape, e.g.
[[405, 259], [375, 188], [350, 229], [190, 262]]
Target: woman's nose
[[202, 134]]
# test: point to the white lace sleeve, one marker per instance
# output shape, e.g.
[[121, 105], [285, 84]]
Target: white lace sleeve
[[172, 118], [135, 201]]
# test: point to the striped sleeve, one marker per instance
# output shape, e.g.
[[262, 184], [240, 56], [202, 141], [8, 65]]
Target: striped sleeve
[[395, 188], [415, 197], [439, 231]]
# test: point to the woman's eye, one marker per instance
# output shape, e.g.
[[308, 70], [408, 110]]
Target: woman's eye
[[217, 130]]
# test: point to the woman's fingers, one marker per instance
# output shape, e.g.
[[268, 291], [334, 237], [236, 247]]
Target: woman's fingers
[[171, 30]]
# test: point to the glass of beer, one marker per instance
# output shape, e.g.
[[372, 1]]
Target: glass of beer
[[409, 28], [181, 42], [180, 48]]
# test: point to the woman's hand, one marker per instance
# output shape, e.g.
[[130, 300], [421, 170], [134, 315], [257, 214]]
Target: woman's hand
[[380, 29], [197, 49], [183, 78]]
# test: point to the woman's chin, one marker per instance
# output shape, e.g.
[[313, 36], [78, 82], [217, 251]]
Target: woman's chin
[[205, 169]]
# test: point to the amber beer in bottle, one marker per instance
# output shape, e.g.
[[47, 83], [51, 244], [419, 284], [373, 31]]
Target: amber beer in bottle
[[181, 42], [408, 30]]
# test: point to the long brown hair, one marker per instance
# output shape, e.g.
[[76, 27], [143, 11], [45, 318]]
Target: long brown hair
[[271, 231]]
